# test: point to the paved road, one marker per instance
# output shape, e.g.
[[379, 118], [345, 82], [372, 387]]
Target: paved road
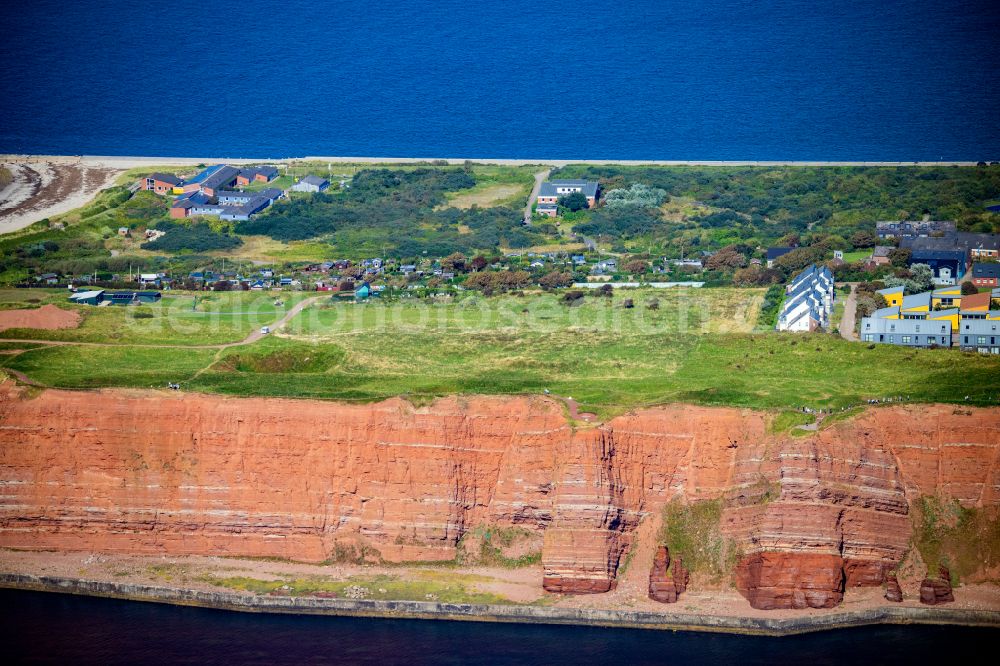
[[847, 322], [540, 178]]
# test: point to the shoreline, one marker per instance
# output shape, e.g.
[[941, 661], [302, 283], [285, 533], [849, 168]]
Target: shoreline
[[135, 161], [517, 614], [48, 188], [50, 185]]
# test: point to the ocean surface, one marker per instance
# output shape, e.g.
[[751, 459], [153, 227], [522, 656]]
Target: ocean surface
[[646, 79], [57, 628]]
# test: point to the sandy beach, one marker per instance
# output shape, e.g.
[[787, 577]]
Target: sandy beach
[[47, 187]]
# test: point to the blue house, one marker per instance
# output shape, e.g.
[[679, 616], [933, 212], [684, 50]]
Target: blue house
[[948, 264]]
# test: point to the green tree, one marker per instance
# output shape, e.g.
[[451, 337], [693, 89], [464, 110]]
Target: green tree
[[573, 202], [863, 239], [968, 289], [900, 256]]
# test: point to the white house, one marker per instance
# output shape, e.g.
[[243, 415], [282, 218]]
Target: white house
[[808, 301]]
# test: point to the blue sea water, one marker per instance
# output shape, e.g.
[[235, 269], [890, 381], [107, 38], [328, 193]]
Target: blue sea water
[[54, 628], [646, 79]]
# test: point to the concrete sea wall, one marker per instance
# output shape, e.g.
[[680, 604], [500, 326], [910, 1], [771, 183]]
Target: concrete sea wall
[[497, 613]]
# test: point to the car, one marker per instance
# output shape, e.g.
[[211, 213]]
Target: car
[[265, 330]]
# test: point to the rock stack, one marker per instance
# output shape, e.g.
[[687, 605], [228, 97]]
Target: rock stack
[[893, 592], [666, 585], [934, 591]]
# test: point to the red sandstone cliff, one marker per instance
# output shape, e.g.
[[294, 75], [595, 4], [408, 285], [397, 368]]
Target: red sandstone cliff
[[154, 472]]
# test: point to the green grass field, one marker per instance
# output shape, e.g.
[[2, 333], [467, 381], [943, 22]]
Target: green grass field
[[216, 318], [857, 255], [697, 347], [699, 311]]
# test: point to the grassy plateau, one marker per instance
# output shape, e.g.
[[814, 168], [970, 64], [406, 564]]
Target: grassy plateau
[[698, 346]]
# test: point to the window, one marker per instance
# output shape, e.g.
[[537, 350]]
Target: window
[[892, 339], [869, 337], [906, 339], [944, 340], [981, 340]]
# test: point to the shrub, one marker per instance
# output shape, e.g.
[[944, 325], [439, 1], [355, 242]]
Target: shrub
[[771, 305], [196, 237], [637, 196], [556, 279], [692, 532]]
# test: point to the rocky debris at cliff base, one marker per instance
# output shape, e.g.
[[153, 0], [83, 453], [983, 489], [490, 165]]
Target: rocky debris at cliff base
[[936, 591], [893, 592], [666, 583]]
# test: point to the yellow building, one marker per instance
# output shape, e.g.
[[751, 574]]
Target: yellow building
[[893, 296], [951, 316], [947, 297]]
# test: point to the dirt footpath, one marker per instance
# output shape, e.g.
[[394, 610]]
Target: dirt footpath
[[46, 317], [43, 189]]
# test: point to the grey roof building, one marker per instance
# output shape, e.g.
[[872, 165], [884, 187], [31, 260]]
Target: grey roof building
[[311, 184], [972, 244], [223, 176], [164, 178], [560, 188], [982, 335], [986, 271], [234, 205], [912, 228], [268, 173], [906, 332]]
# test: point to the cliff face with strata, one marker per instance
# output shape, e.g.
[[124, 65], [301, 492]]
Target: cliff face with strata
[[149, 472]]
